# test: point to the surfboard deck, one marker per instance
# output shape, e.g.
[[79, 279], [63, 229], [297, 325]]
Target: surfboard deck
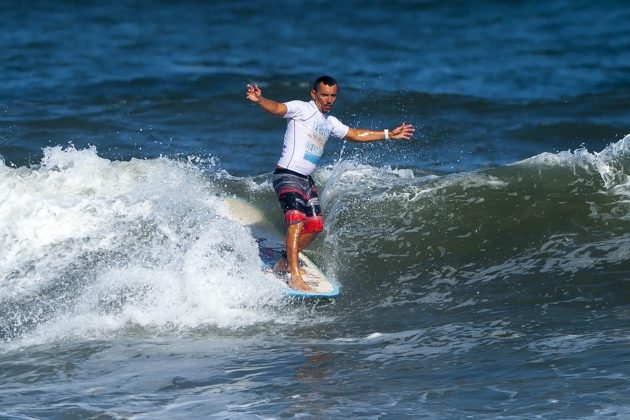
[[271, 249]]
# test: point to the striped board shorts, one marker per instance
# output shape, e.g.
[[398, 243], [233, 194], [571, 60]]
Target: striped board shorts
[[298, 197]]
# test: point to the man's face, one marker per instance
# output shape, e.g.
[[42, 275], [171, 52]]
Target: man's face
[[324, 97]]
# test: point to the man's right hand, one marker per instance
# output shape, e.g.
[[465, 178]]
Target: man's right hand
[[254, 93]]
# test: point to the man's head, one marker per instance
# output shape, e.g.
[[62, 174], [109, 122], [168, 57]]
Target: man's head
[[324, 93]]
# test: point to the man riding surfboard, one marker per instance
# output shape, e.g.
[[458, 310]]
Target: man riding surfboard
[[309, 126]]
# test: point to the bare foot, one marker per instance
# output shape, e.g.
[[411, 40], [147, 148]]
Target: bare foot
[[298, 283], [282, 266]]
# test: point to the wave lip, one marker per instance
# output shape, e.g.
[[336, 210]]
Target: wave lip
[[612, 163]]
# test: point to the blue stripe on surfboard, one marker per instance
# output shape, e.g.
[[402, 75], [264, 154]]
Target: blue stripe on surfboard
[[301, 294]]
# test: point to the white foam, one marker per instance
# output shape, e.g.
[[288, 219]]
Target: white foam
[[402, 185], [610, 163], [138, 243], [353, 177]]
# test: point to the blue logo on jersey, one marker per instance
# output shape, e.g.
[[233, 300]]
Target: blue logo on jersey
[[313, 158]]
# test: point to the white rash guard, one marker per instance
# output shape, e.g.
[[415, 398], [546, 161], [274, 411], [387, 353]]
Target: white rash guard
[[307, 132]]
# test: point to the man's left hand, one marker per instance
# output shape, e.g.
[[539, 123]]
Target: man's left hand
[[402, 132]]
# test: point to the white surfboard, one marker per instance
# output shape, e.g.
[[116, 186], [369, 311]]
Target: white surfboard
[[271, 249]]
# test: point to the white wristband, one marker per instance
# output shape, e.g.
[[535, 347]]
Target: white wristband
[[386, 132]]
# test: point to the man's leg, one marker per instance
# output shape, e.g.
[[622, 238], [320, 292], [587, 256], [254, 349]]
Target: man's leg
[[300, 203], [305, 240], [293, 249]]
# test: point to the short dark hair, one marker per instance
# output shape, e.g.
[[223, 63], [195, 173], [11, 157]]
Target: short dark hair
[[327, 80]]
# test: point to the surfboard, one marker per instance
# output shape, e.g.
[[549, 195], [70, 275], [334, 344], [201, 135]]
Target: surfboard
[[271, 249]]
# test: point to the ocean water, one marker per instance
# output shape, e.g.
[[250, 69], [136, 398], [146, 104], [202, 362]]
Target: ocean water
[[484, 265]]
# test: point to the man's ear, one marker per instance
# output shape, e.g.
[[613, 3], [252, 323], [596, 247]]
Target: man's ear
[[313, 94]]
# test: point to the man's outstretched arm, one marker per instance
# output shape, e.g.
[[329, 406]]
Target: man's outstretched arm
[[402, 132], [254, 94]]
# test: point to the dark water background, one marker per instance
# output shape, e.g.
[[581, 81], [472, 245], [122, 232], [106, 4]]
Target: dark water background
[[484, 265]]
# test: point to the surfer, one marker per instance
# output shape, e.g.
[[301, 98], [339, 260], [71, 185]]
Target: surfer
[[309, 126]]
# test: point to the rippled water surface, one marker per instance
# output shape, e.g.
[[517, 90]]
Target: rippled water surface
[[484, 266]]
